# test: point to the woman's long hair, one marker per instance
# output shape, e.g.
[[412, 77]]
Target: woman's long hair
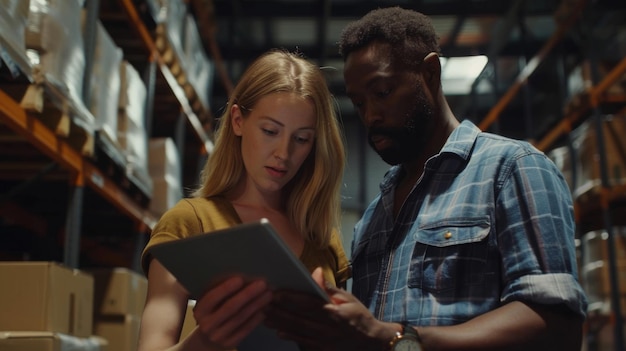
[[312, 197]]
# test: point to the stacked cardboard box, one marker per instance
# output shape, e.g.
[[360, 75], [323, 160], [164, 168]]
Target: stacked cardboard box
[[562, 158], [47, 305], [581, 80], [131, 125], [581, 164], [104, 88], [595, 269], [165, 171], [198, 67], [588, 178], [170, 33], [54, 37], [120, 296]]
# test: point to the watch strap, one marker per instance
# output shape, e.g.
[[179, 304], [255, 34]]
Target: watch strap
[[410, 331]]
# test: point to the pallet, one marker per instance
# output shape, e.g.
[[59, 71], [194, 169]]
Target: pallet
[[56, 112], [12, 85], [172, 60]]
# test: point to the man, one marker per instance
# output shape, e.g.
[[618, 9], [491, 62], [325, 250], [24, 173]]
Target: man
[[470, 244]]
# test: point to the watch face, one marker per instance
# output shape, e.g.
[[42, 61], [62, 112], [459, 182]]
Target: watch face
[[407, 345]]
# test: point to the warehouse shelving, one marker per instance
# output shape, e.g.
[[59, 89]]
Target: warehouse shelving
[[82, 170], [563, 27], [98, 201], [602, 205], [154, 53]]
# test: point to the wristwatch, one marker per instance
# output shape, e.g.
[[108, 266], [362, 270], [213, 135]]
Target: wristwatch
[[408, 340]]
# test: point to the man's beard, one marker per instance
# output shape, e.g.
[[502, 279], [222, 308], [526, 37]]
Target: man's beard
[[407, 141]]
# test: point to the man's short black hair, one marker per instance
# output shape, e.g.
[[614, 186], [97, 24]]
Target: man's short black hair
[[410, 34]]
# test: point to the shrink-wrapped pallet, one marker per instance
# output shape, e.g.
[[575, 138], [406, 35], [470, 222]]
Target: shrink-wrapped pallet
[[589, 151], [104, 88], [131, 126], [13, 19], [54, 35], [171, 32], [197, 65]]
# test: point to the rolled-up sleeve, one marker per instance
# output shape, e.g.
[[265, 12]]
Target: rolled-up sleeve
[[536, 233]]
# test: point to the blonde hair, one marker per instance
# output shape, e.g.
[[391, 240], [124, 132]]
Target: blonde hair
[[313, 196]]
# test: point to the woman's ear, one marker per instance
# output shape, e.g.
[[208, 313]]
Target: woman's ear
[[236, 119]]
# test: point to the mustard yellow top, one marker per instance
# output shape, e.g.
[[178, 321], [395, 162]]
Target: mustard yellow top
[[193, 216]]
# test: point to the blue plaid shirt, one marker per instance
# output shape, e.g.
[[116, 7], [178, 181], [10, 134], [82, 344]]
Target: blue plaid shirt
[[490, 221]]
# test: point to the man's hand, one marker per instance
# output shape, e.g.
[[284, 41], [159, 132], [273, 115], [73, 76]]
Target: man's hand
[[343, 324]]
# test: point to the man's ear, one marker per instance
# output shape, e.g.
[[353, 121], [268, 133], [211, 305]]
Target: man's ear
[[236, 119], [432, 71]]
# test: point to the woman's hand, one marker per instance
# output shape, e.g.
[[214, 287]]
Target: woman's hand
[[227, 313]]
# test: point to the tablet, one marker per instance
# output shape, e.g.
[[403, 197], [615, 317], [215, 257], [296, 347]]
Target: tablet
[[254, 250]]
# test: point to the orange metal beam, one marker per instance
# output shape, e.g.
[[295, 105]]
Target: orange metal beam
[[39, 134], [83, 172], [137, 23], [565, 126], [529, 69], [596, 97], [177, 90], [110, 191], [611, 78]]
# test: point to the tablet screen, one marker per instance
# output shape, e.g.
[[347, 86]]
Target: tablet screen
[[251, 249]]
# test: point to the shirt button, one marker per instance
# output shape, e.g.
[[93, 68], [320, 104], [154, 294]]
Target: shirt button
[[447, 235]]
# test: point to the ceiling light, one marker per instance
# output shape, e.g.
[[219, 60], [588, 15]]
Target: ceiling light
[[459, 73]]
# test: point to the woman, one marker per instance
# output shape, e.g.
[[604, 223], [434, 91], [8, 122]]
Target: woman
[[279, 154]]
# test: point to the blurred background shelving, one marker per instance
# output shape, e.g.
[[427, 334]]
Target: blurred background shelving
[[79, 116], [108, 108]]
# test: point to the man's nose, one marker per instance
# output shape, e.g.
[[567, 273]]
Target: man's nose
[[371, 114]]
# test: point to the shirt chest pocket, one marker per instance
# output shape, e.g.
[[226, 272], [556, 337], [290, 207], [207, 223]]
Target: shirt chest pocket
[[451, 256]]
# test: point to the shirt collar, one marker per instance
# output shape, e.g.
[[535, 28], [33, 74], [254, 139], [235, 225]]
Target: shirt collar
[[459, 143], [462, 139]]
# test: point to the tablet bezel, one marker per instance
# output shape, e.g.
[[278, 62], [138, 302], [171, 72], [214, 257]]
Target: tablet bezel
[[251, 250]]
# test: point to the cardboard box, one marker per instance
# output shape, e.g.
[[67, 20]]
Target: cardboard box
[[165, 194], [596, 246], [562, 158], [588, 154], [595, 277], [46, 296], [119, 291], [164, 160], [121, 332], [49, 341], [581, 78]]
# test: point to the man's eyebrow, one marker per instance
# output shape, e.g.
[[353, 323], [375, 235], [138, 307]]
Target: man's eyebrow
[[369, 84]]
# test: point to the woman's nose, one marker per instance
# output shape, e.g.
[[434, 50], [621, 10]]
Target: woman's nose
[[282, 149]]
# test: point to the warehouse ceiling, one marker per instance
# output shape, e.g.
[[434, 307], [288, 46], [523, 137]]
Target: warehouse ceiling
[[509, 34]]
